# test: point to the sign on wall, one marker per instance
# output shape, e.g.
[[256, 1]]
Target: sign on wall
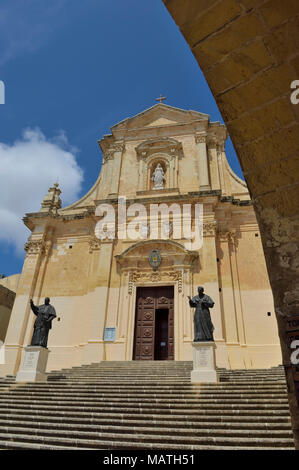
[[109, 334]]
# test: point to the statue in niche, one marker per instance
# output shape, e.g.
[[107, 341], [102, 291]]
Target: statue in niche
[[158, 177]]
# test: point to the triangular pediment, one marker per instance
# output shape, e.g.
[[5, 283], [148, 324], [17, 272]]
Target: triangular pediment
[[160, 115], [161, 122]]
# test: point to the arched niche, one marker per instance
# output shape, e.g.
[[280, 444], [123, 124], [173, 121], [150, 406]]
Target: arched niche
[[166, 151], [152, 164]]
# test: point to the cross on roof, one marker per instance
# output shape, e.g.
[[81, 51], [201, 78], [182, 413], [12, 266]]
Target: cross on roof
[[161, 98]]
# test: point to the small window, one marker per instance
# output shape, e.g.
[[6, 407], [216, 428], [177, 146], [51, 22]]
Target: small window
[[269, 314]]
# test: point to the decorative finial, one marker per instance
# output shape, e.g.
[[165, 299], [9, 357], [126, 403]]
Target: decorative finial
[[52, 201], [161, 98]]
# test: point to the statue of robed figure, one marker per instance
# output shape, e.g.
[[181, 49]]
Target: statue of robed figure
[[158, 177], [203, 326], [44, 315]]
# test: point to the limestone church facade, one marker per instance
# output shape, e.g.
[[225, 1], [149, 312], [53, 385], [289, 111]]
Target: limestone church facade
[[112, 301]]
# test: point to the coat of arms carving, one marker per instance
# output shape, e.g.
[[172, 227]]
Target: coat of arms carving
[[155, 259]]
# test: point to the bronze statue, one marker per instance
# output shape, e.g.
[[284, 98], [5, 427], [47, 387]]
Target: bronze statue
[[45, 314], [203, 326]]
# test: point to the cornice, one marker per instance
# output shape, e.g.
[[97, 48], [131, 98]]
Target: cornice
[[159, 145], [108, 154]]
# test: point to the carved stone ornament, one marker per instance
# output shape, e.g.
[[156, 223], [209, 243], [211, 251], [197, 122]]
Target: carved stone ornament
[[155, 277], [34, 247], [51, 202], [155, 259], [108, 154], [209, 228], [229, 236], [94, 244], [200, 138]]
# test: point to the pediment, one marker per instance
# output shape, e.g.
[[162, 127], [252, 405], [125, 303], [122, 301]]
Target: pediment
[[161, 122], [172, 253], [160, 115]]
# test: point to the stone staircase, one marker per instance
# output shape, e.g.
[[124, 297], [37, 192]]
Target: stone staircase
[[146, 405]]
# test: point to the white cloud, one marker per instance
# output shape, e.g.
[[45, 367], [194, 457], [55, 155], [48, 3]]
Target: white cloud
[[28, 168]]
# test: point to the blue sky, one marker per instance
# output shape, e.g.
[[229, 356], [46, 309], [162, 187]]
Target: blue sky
[[73, 69]]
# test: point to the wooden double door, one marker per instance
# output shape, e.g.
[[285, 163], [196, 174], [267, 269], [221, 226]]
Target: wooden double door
[[154, 324]]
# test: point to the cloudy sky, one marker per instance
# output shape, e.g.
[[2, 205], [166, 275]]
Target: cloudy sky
[[71, 70]]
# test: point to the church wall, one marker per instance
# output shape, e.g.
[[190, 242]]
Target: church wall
[[246, 296], [208, 277], [188, 176], [256, 301], [129, 171], [7, 298], [4, 320], [78, 337], [91, 290], [10, 282], [67, 269]]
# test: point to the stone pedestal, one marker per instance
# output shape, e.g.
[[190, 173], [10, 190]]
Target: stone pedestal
[[33, 366], [204, 363]]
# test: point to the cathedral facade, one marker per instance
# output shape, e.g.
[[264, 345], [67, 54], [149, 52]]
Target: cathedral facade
[[122, 293]]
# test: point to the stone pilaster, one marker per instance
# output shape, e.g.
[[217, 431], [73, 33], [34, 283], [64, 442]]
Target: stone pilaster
[[213, 164], [116, 152], [203, 170], [15, 336], [220, 161]]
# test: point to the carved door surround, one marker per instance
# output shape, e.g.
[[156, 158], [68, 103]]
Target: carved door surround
[[154, 324], [166, 151], [176, 270]]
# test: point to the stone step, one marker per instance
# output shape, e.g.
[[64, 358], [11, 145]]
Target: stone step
[[181, 384], [146, 405], [154, 408], [149, 381], [142, 388], [204, 422], [102, 392], [149, 395], [237, 415], [15, 445], [91, 431], [104, 440], [165, 369], [98, 401], [19, 445], [158, 402]]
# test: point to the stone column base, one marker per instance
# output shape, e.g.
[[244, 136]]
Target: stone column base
[[33, 365], [204, 363]]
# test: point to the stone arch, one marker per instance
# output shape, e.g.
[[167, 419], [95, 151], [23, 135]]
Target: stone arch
[[248, 53]]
